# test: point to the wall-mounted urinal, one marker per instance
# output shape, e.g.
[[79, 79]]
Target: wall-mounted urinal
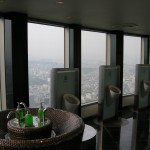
[[112, 94], [145, 88], [64, 80], [142, 86], [109, 91], [70, 103]]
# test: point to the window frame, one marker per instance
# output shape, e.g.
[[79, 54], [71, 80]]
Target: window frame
[[2, 68]]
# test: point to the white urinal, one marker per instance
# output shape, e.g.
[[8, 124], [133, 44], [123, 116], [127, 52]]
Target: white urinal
[[70, 103], [145, 88], [112, 94]]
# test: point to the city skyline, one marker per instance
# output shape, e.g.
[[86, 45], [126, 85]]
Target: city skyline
[[40, 81]]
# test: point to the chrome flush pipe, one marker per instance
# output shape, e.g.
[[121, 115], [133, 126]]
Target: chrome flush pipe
[[14, 112]]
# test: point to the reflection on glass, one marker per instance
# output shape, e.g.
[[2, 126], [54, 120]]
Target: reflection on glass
[[45, 51], [132, 55], [142, 131], [93, 47], [129, 134]]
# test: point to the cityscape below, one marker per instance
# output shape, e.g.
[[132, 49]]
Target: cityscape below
[[40, 81]]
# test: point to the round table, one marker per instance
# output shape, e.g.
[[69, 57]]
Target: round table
[[89, 138]]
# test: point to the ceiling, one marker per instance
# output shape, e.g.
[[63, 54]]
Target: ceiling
[[130, 16]]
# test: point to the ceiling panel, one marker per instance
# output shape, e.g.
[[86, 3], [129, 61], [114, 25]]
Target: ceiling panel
[[128, 16]]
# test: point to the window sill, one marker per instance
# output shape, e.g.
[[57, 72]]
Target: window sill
[[91, 109]]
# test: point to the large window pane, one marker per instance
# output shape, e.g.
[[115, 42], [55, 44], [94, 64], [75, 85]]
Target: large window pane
[[132, 55], [93, 55], [46, 51]]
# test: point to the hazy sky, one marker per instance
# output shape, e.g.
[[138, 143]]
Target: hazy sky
[[93, 46], [45, 42], [132, 50]]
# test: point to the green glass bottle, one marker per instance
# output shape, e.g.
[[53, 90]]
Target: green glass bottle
[[23, 109], [41, 112], [28, 120], [19, 111], [40, 124]]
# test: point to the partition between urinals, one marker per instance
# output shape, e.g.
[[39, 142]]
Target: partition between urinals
[[109, 91], [142, 86], [65, 89]]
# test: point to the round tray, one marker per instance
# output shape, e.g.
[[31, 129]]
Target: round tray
[[29, 133]]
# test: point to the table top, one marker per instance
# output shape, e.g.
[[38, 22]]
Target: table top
[[89, 133], [37, 131]]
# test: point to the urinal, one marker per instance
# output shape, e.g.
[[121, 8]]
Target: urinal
[[70, 103], [145, 87], [112, 94]]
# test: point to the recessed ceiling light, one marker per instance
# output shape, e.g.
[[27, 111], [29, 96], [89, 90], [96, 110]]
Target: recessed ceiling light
[[130, 25], [125, 25], [60, 2], [69, 17]]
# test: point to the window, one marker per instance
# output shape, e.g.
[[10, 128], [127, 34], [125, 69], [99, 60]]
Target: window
[[132, 56], [93, 46], [2, 68], [45, 51]]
